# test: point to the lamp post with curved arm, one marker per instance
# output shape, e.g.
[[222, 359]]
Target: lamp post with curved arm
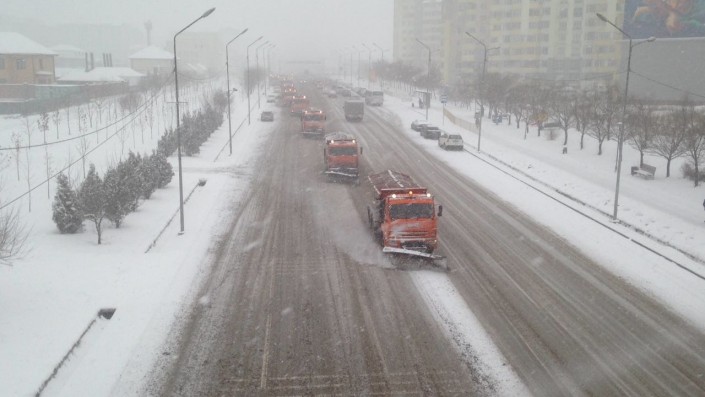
[[248, 78], [482, 80], [227, 73], [620, 136], [178, 130]]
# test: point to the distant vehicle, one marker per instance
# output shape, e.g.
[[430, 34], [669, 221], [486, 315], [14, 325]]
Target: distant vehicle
[[340, 156], [416, 125], [450, 141], [313, 122], [267, 116], [345, 93], [354, 110], [271, 98], [430, 131], [299, 103], [332, 94], [374, 98]]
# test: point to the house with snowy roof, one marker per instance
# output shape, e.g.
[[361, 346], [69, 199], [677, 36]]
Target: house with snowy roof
[[102, 75], [152, 61], [24, 61]]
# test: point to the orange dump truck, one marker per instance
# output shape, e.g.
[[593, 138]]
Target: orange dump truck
[[341, 156], [299, 103], [403, 216], [313, 122]]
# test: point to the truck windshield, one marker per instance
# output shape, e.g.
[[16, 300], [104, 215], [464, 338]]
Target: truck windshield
[[411, 211], [313, 117], [342, 151]]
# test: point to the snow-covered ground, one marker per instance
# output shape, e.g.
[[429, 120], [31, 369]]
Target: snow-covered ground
[[49, 297]]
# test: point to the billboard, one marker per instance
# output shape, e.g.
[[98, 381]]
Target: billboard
[[664, 18]]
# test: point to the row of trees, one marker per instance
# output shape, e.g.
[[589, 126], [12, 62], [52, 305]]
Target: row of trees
[[195, 127], [669, 131], [112, 197]]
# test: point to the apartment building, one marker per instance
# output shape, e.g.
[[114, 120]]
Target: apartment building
[[24, 61], [418, 20]]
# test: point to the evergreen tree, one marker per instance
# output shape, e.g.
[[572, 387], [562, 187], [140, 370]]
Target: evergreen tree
[[92, 199], [163, 169], [118, 198], [149, 177], [66, 209]]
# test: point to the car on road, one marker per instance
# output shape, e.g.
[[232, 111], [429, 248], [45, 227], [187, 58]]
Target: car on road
[[332, 94], [271, 98], [450, 141], [267, 115], [345, 93], [430, 131], [416, 125]]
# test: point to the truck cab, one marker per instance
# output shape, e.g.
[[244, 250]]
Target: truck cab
[[403, 216], [313, 122], [341, 156], [299, 103]]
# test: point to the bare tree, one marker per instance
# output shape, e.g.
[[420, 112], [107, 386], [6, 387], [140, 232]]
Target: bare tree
[[582, 113], [83, 147], [56, 118], [67, 109], [29, 129], [604, 118], [561, 107], [641, 127], [12, 236], [17, 142], [668, 143], [694, 142], [43, 125]]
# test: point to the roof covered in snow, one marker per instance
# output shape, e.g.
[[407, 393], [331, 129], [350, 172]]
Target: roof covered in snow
[[102, 74], [152, 52], [15, 43], [67, 48]]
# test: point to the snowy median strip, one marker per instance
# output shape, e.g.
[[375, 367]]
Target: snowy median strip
[[465, 331]]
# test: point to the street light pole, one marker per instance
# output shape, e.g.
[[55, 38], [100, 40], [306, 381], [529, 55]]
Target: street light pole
[[178, 130], [248, 78], [259, 95], [482, 81], [227, 73], [427, 99], [620, 137]]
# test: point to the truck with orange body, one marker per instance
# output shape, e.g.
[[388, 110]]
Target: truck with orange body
[[403, 216], [341, 156], [299, 103], [313, 122]]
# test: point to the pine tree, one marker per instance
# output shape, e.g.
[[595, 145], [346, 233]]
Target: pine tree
[[164, 169], [149, 176], [118, 197], [66, 209], [92, 199]]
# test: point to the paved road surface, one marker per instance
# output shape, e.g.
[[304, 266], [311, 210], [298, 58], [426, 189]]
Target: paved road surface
[[301, 302]]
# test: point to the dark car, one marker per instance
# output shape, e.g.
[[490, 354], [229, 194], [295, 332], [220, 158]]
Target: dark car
[[430, 131], [267, 116], [416, 125]]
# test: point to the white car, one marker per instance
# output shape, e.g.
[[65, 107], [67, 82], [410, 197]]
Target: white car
[[450, 141]]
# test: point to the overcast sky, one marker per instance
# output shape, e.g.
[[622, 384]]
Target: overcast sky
[[301, 29]]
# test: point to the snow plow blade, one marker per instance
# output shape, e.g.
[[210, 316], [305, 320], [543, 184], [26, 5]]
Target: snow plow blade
[[437, 260], [343, 174]]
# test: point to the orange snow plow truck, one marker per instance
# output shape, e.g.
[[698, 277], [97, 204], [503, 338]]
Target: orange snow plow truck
[[340, 156], [403, 216], [313, 122]]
